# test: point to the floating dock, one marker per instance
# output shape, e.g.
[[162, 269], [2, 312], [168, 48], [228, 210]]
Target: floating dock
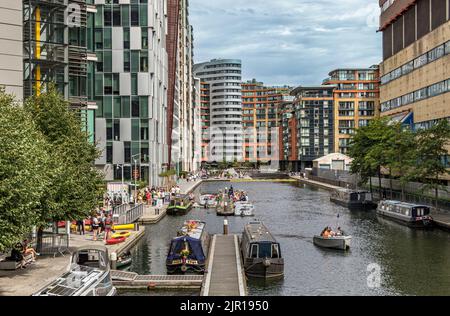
[[225, 274], [131, 280]]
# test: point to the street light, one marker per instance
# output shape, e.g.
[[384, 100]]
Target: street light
[[121, 188], [134, 175]]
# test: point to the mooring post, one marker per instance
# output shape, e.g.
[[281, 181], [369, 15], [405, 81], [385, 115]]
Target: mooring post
[[113, 259], [225, 226]]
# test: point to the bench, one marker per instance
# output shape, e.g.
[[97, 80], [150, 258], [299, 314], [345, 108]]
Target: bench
[[13, 265]]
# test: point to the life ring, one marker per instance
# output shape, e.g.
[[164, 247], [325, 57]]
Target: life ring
[[115, 241], [121, 234]]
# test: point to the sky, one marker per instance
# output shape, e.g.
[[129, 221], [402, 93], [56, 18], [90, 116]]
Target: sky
[[287, 42]]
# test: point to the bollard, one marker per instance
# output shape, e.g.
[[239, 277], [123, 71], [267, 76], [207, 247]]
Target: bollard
[[113, 259], [225, 226], [136, 227]]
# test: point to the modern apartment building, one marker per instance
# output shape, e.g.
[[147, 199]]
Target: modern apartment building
[[11, 47], [415, 72], [205, 119], [131, 88], [356, 102], [261, 118], [182, 131], [314, 113], [197, 126], [288, 137], [222, 78]]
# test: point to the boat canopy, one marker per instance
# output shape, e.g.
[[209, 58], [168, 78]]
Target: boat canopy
[[193, 245]]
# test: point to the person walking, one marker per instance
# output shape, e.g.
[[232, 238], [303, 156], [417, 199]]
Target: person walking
[[80, 227], [95, 227], [108, 227]]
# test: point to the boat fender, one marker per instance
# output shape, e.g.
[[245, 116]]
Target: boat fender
[[266, 263]]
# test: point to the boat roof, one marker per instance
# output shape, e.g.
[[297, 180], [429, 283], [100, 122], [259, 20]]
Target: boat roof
[[258, 232], [193, 228], [404, 204], [345, 190]]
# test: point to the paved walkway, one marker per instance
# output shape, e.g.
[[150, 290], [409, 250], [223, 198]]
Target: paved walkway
[[317, 183], [225, 275], [25, 282]]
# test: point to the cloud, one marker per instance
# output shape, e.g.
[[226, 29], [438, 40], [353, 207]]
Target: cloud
[[287, 41]]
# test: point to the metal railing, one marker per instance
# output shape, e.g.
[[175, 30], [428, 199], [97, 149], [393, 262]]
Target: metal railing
[[126, 214], [54, 244]]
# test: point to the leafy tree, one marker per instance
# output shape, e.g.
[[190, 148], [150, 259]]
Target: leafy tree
[[431, 147], [75, 182], [23, 172]]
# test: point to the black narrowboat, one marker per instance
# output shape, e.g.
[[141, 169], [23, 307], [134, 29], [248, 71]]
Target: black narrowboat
[[411, 215], [261, 252], [188, 251], [353, 199]]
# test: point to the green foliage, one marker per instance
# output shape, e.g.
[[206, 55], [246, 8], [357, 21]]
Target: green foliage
[[168, 173], [74, 189], [23, 172]]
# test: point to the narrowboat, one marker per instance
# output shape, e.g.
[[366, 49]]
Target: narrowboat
[[188, 251], [88, 275], [181, 204], [411, 215], [261, 252], [353, 199]]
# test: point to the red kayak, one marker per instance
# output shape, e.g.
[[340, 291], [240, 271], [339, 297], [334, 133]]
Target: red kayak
[[115, 241]]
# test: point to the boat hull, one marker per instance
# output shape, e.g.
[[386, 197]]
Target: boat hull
[[257, 268], [183, 269], [367, 206], [338, 243], [177, 210], [410, 222]]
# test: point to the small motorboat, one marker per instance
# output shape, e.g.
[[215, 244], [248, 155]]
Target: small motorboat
[[244, 209], [336, 242], [124, 261], [208, 200]]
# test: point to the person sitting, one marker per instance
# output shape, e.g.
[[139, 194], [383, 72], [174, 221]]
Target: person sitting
[[327, 233], [29, 250], [340, 232]]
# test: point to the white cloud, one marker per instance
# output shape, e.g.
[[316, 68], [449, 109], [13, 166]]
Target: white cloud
[[287, 41]]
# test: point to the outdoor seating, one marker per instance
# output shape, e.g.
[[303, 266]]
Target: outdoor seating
[[14, 265]]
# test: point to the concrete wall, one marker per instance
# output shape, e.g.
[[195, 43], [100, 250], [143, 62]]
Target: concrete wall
[[11, 58]]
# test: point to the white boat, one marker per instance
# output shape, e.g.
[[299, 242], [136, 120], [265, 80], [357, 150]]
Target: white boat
[[244, 209], [208, 200], [337, 242], [88, 275]]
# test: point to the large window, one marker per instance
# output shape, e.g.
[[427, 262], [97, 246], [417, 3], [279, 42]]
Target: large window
[[126, 38], [143, 15], [107, 61], [143, 103], [135, 108], [107, 38], [134, 84], [107, 88], [126, 61], [107, 15], [98, 37], [125, 15], [134, 15], [126, 113], [134, 61], [117, 21]]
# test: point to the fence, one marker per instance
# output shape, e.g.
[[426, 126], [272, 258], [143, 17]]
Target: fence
[[54, 244], [125, 214]]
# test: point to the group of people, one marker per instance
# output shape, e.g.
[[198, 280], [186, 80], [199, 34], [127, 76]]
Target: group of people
[[101, 223], [329, 233], [157, 197], [21, 251]]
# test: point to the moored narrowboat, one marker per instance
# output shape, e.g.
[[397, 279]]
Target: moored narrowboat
[[181, 204], [411, 215], [261, 252], [189, 250], [353, 199]]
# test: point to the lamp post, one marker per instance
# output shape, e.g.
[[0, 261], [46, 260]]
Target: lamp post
[[121, 188], [135, 176]]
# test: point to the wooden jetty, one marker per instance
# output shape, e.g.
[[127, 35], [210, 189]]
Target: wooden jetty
[[225, 275], [131, 280]]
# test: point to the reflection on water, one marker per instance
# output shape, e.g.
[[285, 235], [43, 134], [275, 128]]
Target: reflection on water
[[412, 262]]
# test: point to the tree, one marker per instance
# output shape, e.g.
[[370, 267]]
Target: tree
[[75, 182], [23, 172], [431, 148]]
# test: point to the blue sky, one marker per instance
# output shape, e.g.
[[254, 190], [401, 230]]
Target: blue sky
[[287, 41]]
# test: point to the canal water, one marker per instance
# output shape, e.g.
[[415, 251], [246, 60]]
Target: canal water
[[410, 262]]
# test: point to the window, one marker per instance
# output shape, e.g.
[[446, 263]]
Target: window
[[144, 130], [135, 134], [134, 15], [126, 61], [143, 103], [109, 153], [420, 94], [143, 15], [117, 16], [117, 107], [135, 108], [125, 15], [126, 38], [108, 85], [107, 61], [254, 251], [134, 61], [99, 63], [116, 84], [134, 84], [407, 68], [99, 102], [107, 15], [144, 61], [436, 53], [144, 35], [447, 47], [126, 107], [107, 107], [107, 38], [99, 17], [127, 152], [116, 130], [98, 36], [144, 152], [420, 61], [98, 84]]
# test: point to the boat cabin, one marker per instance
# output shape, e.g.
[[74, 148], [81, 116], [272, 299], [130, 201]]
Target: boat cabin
[[180, 201], [188, 251], [353, 199]]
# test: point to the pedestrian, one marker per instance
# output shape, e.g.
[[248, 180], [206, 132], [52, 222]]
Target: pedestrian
[[80, 227], [108, 226], [95, 227]]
